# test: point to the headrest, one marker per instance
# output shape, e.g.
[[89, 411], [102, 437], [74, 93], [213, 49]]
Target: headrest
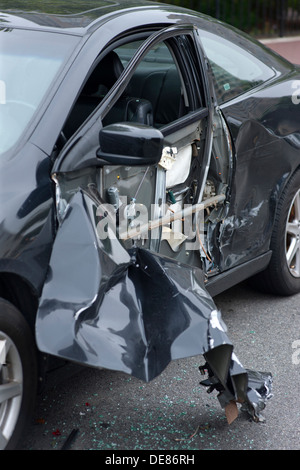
[[105, 73]]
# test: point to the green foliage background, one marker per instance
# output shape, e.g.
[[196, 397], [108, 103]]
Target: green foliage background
[[269, 17], [260, 17], [51, 6]]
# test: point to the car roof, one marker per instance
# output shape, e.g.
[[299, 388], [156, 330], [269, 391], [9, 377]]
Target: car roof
[[73, 16]]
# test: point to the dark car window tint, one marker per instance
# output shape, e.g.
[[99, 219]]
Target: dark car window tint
[[102, 78], [155, 95], [235, 70]]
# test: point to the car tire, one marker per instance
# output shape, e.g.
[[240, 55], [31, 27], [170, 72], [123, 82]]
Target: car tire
[[282, 276], [18, 374]]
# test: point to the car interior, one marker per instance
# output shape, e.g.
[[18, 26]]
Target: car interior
[[153, 97], [156, 95]]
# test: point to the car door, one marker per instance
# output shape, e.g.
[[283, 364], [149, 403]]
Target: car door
[[261, 118], [118, 296]]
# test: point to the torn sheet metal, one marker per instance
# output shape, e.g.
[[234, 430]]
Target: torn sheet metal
[[132, 311]]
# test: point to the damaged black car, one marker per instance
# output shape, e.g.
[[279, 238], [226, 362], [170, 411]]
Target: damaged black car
[[150, 159]]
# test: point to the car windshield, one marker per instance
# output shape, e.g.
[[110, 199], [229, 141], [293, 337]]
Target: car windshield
[[29, 62]]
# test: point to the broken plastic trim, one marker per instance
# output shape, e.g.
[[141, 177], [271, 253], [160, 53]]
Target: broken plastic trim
[[259, 391]]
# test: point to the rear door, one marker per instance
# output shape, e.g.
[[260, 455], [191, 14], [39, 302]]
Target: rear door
[[244, 76]]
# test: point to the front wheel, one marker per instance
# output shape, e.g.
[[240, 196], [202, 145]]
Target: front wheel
[[283, 273], [18, 374]]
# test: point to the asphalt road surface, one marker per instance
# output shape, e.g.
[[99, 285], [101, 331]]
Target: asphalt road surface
[[88, 409], [105, 410]]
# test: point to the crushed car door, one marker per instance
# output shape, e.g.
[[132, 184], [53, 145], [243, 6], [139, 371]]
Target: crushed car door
[[123, 291]]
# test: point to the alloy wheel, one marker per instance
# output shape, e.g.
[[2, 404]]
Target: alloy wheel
[[11, 380], [293, 237]]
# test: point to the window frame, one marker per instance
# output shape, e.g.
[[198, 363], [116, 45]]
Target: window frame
[[80, 146], [204, 33], [169, 35]]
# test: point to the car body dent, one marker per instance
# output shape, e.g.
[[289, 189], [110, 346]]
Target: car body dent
[[133, 311], [258, 144]]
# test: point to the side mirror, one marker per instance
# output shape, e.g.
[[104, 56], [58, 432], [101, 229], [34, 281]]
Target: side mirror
[[130, 144]]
